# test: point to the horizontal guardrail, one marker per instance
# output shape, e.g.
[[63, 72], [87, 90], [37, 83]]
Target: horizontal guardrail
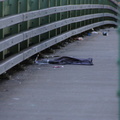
[[54, 10], [115, 2], [29, 32], [15, 19], [11, 41], [23, 55]]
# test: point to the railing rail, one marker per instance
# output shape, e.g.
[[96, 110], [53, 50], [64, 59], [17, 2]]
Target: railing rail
[[24, 33]]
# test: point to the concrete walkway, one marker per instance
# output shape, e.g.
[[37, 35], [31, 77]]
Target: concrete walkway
[[72, 92]]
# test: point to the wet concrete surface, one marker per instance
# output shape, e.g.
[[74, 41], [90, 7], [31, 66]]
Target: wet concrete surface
[[71, 92]]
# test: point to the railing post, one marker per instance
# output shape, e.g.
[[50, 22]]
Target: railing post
[[119, 64], [119, 72]]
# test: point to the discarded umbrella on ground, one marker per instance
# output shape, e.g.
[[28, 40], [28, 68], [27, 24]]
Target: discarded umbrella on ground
[[65, 60]]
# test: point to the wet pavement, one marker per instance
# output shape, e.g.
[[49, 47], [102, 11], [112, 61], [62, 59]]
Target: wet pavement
[[67, 92]]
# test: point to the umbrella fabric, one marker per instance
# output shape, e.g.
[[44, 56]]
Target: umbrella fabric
[[71, 60]]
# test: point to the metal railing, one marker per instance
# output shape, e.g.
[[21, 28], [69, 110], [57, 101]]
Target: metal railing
[[28, 27]]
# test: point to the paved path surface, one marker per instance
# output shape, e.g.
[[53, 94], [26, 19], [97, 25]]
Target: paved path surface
[[73, 92]]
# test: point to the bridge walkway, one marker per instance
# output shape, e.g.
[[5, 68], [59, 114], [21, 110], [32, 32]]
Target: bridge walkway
[[71, 92]]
